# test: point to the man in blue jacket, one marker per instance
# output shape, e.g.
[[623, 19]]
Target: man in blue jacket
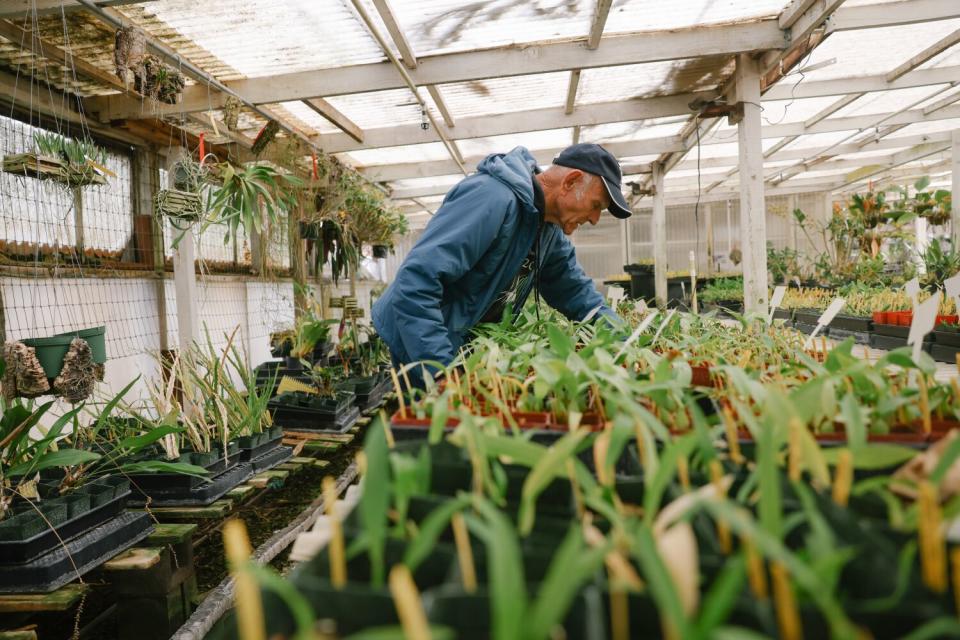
[[498, 234]]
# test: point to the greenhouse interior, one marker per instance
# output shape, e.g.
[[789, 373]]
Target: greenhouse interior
[[509, 319]]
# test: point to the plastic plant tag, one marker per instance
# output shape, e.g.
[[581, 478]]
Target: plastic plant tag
[[590, 315], [664, 324], [640, 306], [615, 294], [924, 318], [825, 318], [775, 300], [636, 333], [913, 290]]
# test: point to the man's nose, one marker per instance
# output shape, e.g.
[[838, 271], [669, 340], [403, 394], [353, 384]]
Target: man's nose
[[595, 218]]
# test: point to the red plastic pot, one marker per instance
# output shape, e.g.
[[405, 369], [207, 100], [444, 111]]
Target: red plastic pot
[[880, 317], [947, 319], [904, 318]]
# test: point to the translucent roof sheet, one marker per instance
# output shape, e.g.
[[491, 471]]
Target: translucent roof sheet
[[874, 51], [264, 37], [380, 108], [922, 128], [885, 102], [636, 130], [608, 84], [551, 138], [502, 95], [396, 155], [442, 26], [797, 110]]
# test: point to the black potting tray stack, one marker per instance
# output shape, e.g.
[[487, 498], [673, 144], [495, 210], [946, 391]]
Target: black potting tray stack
[[245, 458], [946, 345], [805, 320], [369, 392], [307, 412], [47, 544], [856, 327], [892, 336]]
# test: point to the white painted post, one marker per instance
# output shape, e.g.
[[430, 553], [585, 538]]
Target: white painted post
[[791, 207], [955, 212], [659, 237], [708, 222], [184, 276], [753, 223], [627, 250]]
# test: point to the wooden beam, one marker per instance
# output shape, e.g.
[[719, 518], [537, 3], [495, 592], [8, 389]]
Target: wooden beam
[[943, 102], [955, 185], [892, 14], [572, 91], [600, 13], [434, 92], [792, 12], [21, 8], [516, 122], [930, 52], [335, 117], [407, 56], [659, 237], [753, 216], [832, 109], [897, 160]]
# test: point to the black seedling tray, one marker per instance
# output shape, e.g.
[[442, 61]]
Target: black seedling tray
[[301, 419], [269, 460], [783, 314], [375, 398], [891, 330], [889, 343], [944, 352], [804, 328], [21, 551], [217, 487], [950, 338], [801, 316], [78, 556], [246, 455], [150, 482], [860, 337], [857, 324]]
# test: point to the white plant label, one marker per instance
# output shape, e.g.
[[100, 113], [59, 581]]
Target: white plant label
[[775, 300], [913, 290], [615, 294], [636, 333], [592, 313], [664, 324], [640, 306], [924, 319], [826, 318], [952, 285]]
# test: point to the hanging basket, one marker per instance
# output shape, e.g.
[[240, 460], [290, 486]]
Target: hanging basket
[[182, 207], [51, 351], [35, 165]]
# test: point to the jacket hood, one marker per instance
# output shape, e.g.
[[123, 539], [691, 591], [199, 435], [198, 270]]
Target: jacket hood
[[514, 170]]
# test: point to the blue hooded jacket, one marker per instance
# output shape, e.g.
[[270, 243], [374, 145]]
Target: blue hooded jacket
[[468, 254]]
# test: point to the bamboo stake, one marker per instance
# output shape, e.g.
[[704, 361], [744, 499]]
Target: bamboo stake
[[925, 404], [406, 598], [396, 385], [577, 496], [250, 619], [683, 472], [619, 613], [755, 571], [785, 602], [955, 569], [723, 529], [338, 559], [464, 552], [843, 478], [733, 442], [956, 390], [932, 547], [795, 451]]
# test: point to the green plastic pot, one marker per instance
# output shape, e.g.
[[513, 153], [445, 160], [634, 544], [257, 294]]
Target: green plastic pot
[[51, 351]]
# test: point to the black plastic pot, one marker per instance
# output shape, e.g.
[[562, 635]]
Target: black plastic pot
[[304, 411], [947, 337], [852, 323], [807, 316], [380, 251]]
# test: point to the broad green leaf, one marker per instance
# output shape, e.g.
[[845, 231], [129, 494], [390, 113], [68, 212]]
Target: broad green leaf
[[52, 459], [375, 499], [873, 455]]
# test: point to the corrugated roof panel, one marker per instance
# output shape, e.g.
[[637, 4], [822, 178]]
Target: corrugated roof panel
[[884, 102], [264, 37], [418, 183], [923, 128], [549, 139], [798, 110], [867, 52], [503, 95], [308, 118], [635, 130], [380, 108], [439, 26], [608, 84], [397, 155]]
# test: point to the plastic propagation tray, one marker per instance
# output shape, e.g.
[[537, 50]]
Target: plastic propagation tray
[[860, 337], [78, 556], [21, 551], [211, 491], [303, 419]]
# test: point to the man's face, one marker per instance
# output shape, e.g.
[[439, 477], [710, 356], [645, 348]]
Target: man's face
[[581, 200]]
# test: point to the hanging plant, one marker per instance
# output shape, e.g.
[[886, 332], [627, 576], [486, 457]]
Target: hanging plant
[[75, 163], [265, 137], [231, 112], [250, 197], [130, 47]]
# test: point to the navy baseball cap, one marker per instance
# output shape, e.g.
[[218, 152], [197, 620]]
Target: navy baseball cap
[[594, 159]]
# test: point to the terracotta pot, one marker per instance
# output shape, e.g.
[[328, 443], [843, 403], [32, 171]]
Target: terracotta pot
[[702, 376]]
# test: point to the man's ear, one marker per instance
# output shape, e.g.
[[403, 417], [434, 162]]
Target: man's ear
[[571, 179]]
